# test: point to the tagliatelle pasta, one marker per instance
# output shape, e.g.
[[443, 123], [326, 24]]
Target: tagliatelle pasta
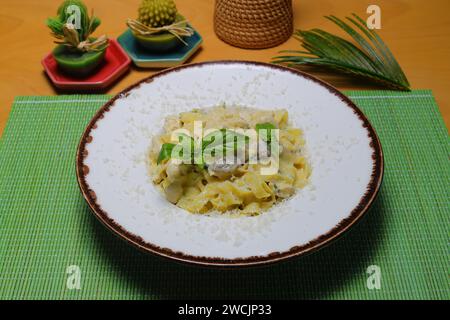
[[246, 185]]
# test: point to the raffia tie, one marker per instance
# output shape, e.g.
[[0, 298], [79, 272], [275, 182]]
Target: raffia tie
[[71, 39], [177, 29]]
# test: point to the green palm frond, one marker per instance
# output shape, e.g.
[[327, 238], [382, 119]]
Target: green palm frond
[[370, 58]]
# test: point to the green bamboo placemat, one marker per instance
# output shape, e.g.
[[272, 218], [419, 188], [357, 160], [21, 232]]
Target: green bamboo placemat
[[46, 226]]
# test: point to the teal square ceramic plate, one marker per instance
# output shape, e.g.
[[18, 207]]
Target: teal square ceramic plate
[[146, 59]]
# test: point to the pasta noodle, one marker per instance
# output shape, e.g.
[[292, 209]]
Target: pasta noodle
[[240, 186]]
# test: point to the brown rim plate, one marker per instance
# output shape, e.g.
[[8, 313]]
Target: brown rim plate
[[320, 109]]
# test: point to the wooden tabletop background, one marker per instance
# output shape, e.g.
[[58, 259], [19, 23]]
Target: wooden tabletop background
[[417, 31]]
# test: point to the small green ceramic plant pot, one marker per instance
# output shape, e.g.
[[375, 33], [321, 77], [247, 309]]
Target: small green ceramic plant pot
[[160, 42], [77, 64]]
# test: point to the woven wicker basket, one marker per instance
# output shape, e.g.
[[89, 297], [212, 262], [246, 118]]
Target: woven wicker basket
[[253, 24]]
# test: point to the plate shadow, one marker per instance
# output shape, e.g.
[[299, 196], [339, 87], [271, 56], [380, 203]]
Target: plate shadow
[[315, 276]]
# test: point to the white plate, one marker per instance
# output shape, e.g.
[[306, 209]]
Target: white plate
[[342, 146]]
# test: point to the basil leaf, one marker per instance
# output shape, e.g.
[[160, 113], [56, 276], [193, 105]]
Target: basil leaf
[[234, 140], [183, 136], [166, 152], [201, 166], [268, 127], [210, 138], [231, 140]]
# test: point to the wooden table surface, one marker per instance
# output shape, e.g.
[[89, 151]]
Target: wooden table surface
[[417, 31]]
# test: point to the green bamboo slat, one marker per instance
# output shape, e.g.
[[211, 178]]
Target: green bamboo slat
[[45, 225]]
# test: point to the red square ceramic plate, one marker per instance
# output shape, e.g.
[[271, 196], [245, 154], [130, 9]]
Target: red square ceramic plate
[[116, 64]]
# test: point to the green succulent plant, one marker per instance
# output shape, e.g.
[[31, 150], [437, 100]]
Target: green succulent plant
[[157, 13], [64, 26]]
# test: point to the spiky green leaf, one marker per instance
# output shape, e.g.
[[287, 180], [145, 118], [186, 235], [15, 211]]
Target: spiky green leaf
[[368, 57]]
